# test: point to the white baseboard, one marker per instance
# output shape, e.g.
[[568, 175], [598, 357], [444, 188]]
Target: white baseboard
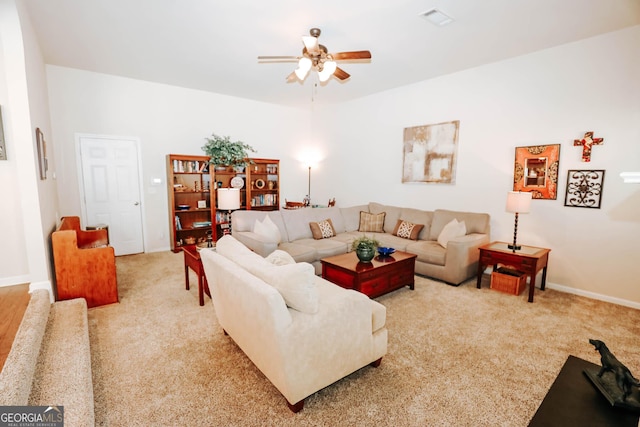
[[580, 292], [592, 295], [15, 280], [46, 285]]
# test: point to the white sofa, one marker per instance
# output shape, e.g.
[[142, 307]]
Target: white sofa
[[453, 264], [303, 332]]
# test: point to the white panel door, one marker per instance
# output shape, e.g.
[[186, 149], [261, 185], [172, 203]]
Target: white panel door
[[111, 184]]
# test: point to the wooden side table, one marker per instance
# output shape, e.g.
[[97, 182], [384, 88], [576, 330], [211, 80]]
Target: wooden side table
[[192, 261], [529, 260]]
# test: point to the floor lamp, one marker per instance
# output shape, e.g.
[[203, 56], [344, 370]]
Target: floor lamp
[[309, 186], [517, 203], [228, 200]]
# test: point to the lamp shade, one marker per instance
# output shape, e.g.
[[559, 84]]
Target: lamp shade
[[228, 198], [329, 67], [518, 202], [304, 65]]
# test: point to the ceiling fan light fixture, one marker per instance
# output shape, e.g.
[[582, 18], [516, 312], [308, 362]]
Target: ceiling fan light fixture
[[310, 42], [328, 68], [304, 65]]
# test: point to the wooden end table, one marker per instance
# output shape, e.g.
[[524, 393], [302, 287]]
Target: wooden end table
[[529, 260], [192, 261], [375, 278]]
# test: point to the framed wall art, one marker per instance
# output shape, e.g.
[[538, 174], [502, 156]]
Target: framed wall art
[[536, 170], [42, 153], [429, 153], [584, 188]]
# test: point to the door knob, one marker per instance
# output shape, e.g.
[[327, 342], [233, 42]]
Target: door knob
[[136, 203]]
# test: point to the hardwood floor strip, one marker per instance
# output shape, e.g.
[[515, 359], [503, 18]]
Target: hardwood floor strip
[[13, 304]]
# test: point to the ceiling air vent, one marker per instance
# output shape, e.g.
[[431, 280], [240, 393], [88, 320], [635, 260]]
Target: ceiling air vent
[[437, 17]]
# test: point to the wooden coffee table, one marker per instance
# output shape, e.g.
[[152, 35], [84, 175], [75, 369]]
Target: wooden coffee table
[[375, 278]]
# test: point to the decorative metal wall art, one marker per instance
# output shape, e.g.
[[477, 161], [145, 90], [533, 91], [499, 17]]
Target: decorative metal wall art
[[536, 170], [587, 142], [584, 188], [429, 153]]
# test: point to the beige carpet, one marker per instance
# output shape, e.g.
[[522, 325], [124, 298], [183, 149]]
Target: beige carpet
[[457, 356]]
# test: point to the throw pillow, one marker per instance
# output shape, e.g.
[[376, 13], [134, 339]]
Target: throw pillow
[[407, 230], [450, 231], [280, 257], [323, 229], [296, 283], [372, 223], [267, 229]]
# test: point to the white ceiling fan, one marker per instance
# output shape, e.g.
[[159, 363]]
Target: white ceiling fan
[[316, 56]]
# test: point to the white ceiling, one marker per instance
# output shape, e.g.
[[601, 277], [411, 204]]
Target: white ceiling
[[213, 45]]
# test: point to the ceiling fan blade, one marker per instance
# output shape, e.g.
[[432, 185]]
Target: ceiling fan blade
[[341, 74], [292, 77], [278, 58], [359, 54]]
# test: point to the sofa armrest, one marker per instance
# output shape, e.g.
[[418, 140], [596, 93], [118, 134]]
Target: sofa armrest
[[255, 242], [321, 350], [462, 256]]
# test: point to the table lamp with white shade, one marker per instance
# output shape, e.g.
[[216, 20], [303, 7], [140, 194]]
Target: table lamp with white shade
[[228, 200], [517, 203]]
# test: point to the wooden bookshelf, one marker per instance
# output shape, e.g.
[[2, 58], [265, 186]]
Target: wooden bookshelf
[[260, 187], [190, 199]]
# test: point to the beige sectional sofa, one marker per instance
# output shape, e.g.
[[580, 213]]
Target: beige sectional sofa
[[455, 263], [301, 331]]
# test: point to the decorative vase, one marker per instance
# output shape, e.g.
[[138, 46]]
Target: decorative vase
[[365, 253]]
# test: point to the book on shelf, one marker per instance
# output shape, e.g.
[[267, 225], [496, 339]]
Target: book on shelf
[[190, 166]]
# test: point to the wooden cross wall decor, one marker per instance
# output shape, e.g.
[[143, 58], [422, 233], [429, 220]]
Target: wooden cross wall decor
[[587, 142]]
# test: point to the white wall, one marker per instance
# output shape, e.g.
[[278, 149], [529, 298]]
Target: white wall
[[13, 257], [550, 97], [25, 255], [167, 120]]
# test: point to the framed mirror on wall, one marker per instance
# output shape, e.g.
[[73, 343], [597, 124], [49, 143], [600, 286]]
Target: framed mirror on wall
[[536, 170]]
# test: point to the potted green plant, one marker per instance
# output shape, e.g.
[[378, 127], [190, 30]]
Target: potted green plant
[[365, 248], [225, 152]]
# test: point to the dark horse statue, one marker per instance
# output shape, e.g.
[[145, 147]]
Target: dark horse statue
[[624, 379]]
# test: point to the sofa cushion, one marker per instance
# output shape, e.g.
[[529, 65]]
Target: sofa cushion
[[294, 281], [324, 247], [371, 222], [333, 213], [244, 220], [267, 229], [475, 222], [279, 257], [392, 215], [301, 253], [296, 221], [427, 251], [323, 229], [407, 230], [418, 216], [351, 218], [450, 231], [391, 241]]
